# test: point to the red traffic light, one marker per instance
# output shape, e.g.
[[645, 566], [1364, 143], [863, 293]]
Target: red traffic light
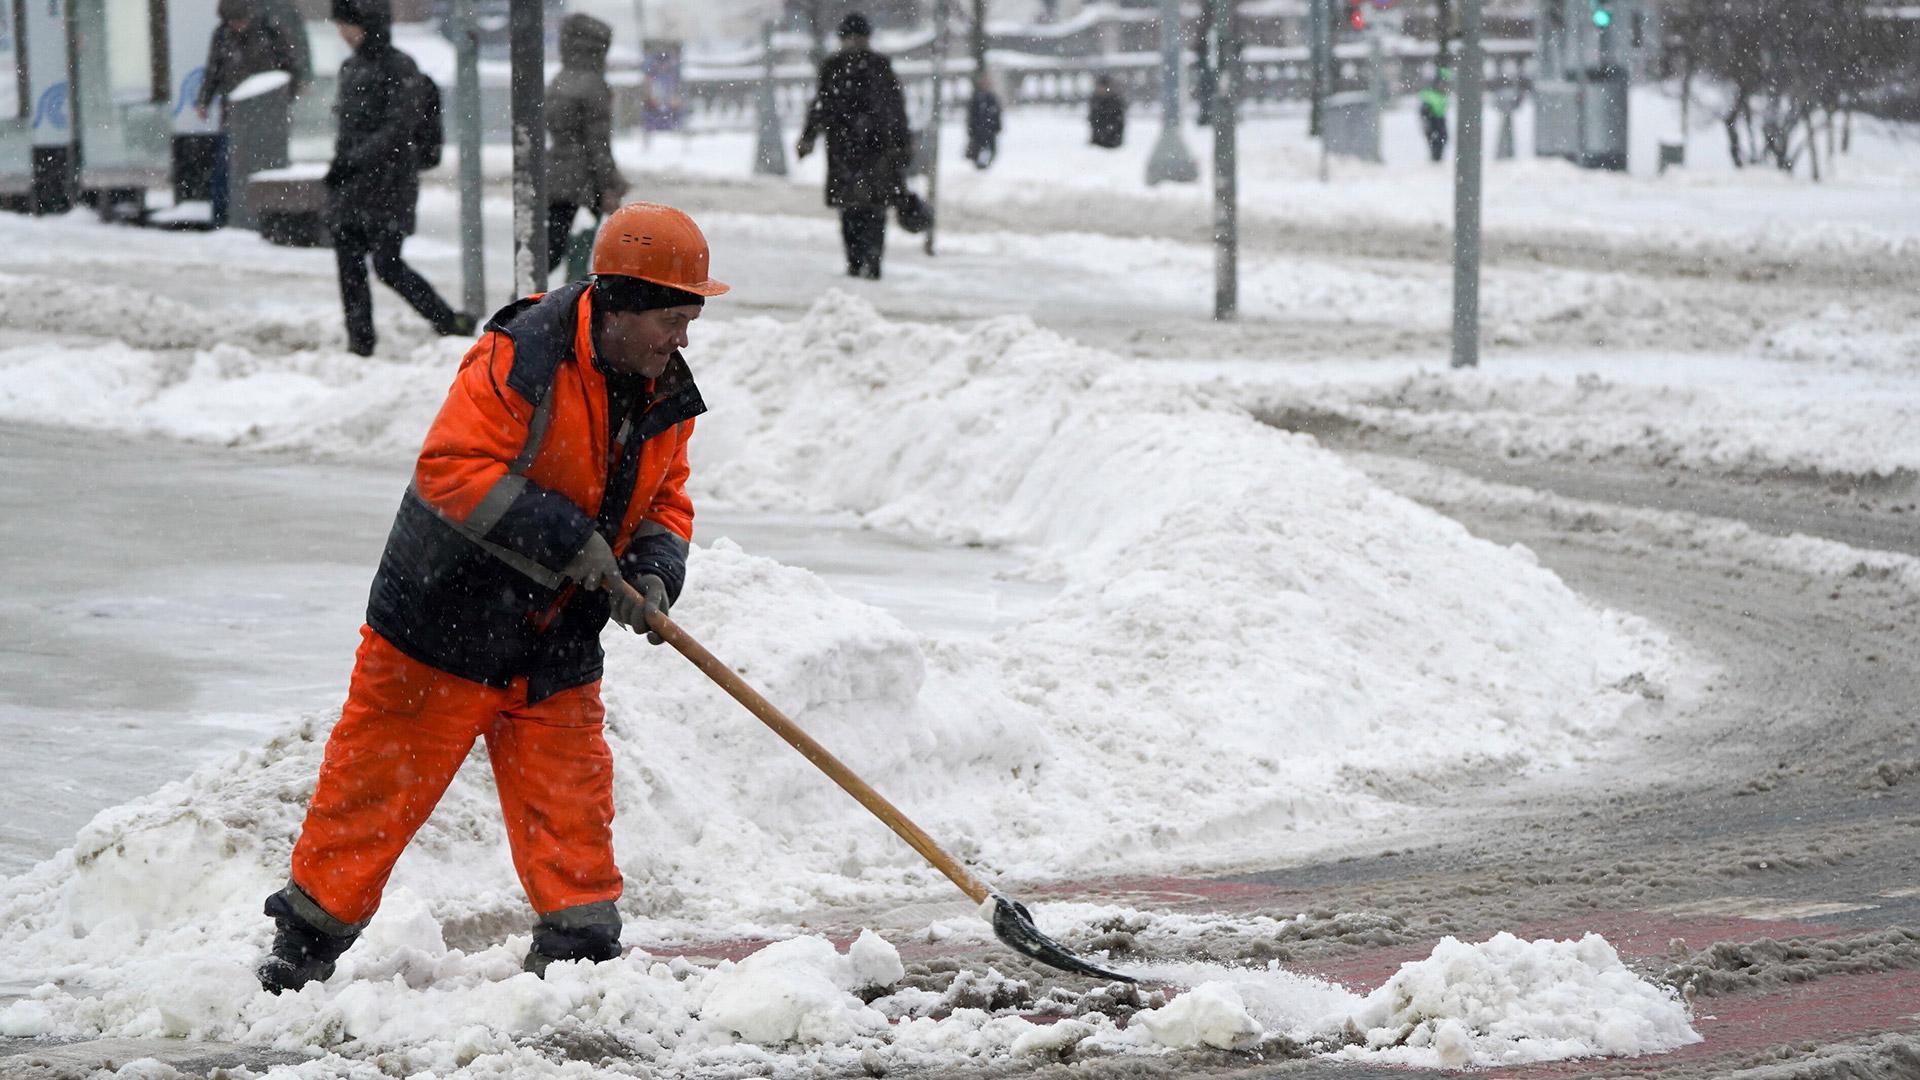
[[1357, 14]]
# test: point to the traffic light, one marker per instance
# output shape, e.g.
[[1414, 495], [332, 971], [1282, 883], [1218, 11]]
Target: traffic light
[[1602, 13], [1357, 14]]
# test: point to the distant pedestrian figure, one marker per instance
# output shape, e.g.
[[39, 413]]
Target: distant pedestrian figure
[[247, 42], [861, 110], [579, 110], [1433, 116], [374, 181], [1107, 113], [983, 122]]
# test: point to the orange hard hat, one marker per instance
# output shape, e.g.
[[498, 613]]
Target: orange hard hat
[[655, 243]]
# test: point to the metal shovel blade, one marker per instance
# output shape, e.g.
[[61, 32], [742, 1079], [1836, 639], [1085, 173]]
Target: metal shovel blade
[[1013, 925]]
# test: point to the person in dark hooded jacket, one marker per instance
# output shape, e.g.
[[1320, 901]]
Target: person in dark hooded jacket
[[1107, 113], [861, 110], [248, 42], [374, 181], [579, 112]]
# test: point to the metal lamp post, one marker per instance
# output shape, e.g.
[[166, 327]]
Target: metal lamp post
[[1466, 192], [770, 155], [1171, 160], [526, 21]]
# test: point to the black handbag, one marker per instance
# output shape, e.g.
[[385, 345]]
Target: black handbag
[[914, 213]]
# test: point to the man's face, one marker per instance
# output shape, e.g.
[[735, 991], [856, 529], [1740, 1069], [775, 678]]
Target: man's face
[[240, 24], [643, 342], [351, 34]]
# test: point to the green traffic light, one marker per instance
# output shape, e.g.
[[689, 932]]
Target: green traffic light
[[1602, 18]]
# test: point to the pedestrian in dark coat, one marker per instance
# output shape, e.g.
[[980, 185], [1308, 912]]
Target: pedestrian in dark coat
[[1107, 113], [579, 111], [247, 42], [374, 180], [983, 123], [860, 108]]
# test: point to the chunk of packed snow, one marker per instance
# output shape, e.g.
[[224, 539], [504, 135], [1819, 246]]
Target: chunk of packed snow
[[1210, 1014], [794, 990], [1509, 1002]]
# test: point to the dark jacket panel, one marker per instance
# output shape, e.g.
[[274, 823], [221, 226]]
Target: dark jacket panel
[[234, 56], [862, 112], [579, 112], [527, 457], [374, 182]]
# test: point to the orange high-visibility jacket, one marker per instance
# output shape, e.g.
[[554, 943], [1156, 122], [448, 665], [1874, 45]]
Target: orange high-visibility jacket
[[522, 463]]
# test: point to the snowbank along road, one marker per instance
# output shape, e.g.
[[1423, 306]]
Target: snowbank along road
[[1554, 720]]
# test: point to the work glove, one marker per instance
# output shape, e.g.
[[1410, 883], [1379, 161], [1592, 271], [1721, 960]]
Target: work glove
[[594, 567], [632, 613]]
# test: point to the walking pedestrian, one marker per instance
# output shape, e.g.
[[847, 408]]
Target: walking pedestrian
[[246, 43], [983, 122], [579, 109], [374, 181], [1107, 113], [1433, 115], [860, 108], [556, 469]]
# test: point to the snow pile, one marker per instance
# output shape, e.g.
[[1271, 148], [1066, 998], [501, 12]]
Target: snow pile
[[1253, 642], [1652, 531], [790, 1010], [1210, 1014], [1511, 1002], [332, 402], [798, 990], [1743, 415]]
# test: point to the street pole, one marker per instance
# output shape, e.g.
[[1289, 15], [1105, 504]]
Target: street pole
[[977, 40], [526, 28], [1171, 160], [1466, 192], [1226, 103], [770, 156], [933, 135], [1580, 88], [466, 89], [1316, 68]]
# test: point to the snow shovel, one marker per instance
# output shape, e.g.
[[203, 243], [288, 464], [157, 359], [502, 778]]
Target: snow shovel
[[1012, 923]]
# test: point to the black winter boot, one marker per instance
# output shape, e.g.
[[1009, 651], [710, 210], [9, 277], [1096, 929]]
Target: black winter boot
[[588, 932], [302, 953]]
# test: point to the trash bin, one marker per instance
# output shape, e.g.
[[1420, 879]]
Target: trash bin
[[257, 125]]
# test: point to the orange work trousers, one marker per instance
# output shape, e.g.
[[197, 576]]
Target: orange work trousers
[[403, 733]]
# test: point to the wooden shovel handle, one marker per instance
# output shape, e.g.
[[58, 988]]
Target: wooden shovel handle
[[771, 716]]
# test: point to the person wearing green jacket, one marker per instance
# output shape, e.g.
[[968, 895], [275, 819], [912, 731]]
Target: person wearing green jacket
[[1433, 113]]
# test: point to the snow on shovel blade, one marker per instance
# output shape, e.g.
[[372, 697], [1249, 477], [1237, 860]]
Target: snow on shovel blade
[[1013, 924]]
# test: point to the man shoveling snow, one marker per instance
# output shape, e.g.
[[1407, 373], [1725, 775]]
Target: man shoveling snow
[[556, 469]]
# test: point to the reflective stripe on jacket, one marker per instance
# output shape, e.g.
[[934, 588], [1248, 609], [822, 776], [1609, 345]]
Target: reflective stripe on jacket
[[521, 464]]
